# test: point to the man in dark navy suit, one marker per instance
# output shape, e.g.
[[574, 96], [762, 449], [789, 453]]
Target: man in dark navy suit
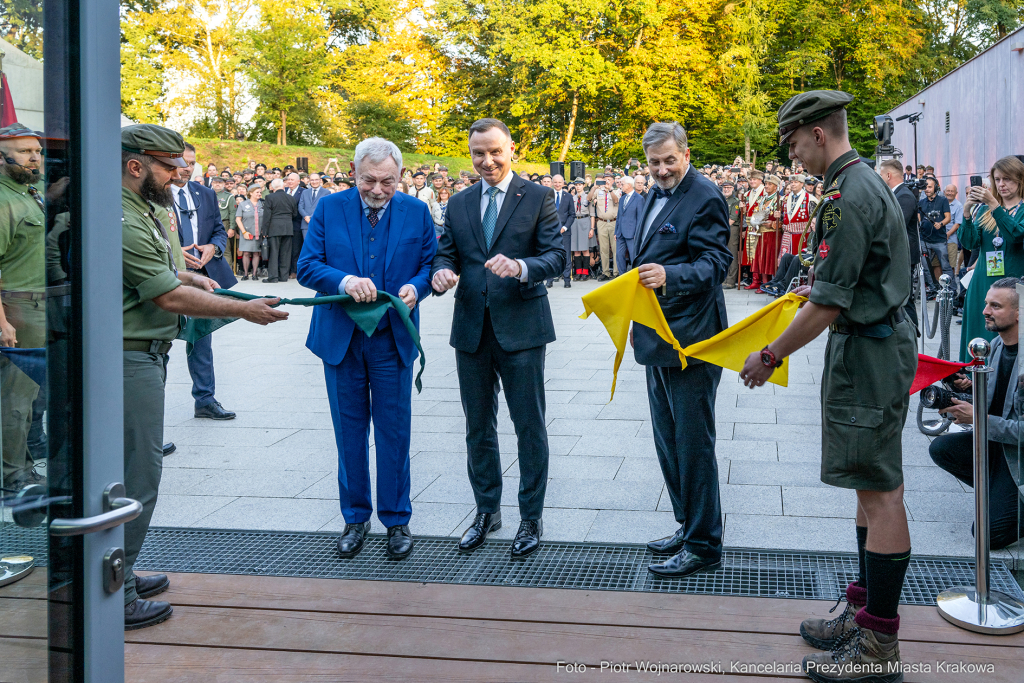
[[631, 210], [500, 244], [566, 217], [682, 252], [359, 242], [203, 242]]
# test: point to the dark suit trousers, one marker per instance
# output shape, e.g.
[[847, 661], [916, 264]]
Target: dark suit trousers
[[371, 383], [297, 240], [200, 367], [280, 257], [683, 416], [623, 247], [522, 375], [567, 245]]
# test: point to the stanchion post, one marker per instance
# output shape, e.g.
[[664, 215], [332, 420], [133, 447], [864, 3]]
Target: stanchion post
[[979, 608]]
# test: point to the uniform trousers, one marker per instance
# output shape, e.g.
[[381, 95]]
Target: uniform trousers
[[18, 390], [606, 242], [145, 376], [280, 260], [683, 417], [522, 375], [734, 248]]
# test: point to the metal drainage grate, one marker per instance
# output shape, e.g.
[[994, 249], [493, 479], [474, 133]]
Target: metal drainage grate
[[586, 566]]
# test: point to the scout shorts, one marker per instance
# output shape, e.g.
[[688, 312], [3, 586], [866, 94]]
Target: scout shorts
[[865, 395]]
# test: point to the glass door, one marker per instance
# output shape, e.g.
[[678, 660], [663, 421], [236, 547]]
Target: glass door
[[61, 604]]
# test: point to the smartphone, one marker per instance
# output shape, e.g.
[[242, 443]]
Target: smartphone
[[600, 182], [976, 181]]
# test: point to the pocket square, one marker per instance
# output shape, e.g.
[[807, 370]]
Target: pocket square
[[666, 229]]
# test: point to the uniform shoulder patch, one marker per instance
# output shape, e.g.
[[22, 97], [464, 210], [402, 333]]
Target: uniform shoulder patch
[[830, 217]]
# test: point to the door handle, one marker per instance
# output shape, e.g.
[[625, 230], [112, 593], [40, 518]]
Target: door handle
[[117, 510]]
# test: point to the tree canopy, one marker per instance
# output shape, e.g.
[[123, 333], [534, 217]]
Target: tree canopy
[[577, 80]]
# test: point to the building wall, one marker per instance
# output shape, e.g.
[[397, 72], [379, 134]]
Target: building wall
[[985, 102], [25, 79]]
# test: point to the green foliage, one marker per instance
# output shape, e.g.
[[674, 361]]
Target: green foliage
[[21, 25], [368, 118]]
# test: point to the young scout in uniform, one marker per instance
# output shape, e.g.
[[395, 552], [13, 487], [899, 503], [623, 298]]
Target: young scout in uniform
[[22, 292], [226, 204], [857, 288], [153, 299]]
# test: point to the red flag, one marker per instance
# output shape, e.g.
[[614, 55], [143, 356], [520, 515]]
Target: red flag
[[931, 370], [9, 116]]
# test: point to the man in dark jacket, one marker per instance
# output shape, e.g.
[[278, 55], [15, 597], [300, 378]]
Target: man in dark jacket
[[281, 211], [892, 174]]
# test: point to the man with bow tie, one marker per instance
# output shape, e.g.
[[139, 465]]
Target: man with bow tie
[[682, 253]]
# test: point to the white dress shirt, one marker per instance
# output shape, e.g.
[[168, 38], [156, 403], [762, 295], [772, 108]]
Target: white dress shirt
[[656, 207], [499, 199]]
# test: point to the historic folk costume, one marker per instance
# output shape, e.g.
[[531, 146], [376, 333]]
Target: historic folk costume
[[767, 220], [796, 215]]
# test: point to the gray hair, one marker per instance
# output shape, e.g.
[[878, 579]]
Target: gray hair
[[626, 180], [661, 132], [276, 184], [377, 150]]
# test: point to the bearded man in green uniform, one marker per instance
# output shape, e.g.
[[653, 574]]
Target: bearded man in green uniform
[[22, 292], [155, 294], [857, 288]]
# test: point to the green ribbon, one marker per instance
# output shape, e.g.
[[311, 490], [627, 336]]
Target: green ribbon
[[366, 316]]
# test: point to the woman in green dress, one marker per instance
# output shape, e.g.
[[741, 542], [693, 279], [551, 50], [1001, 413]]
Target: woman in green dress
[[994, 225]]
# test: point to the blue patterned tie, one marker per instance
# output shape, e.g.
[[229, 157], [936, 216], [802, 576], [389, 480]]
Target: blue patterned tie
[[490, 215]]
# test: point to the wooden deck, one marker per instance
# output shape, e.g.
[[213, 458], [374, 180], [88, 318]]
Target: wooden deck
[[282, 630]]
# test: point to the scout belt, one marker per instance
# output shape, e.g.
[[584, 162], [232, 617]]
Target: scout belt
[[879, 330], [155, 346], [24, 296]]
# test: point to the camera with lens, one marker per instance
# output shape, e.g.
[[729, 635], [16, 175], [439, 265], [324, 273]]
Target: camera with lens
[[934, 216], [917, 185], [940, 396]]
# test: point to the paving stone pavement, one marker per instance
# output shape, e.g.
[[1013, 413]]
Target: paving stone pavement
[[274, 467]]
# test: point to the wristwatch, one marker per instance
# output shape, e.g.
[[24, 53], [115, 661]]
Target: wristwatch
[[769, 360]]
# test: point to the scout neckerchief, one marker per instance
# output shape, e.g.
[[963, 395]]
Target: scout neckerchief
[[826, 200]]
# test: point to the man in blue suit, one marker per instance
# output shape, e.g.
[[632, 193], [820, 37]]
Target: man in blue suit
[[360, 242], [682, 253], [631, 210], [566, 211], [203, 242]]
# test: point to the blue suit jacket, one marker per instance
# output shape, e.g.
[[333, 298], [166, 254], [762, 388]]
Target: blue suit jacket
[[210, 230], [690, 238], [298, 221], [307, 205], [333, 248], [628, 220]]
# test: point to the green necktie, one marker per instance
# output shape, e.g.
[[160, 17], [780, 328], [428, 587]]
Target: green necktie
[[490, 215]]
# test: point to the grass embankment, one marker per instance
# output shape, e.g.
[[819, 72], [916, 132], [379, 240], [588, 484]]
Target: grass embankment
[[238, 154]]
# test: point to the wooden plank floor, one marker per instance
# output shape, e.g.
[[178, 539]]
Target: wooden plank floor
[[279, 630]]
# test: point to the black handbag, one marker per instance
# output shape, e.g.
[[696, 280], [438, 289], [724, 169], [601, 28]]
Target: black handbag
[[264, 247]]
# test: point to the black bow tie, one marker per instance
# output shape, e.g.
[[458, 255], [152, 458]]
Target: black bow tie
[[660, 193]]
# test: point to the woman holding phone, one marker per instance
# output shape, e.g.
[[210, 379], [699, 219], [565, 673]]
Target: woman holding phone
[[994, 226]]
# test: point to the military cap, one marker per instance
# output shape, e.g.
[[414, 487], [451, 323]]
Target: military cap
[[727, 183], [418, 173], [579, 181], [808, 107], [17, 130], [161, 143], [810, 180]]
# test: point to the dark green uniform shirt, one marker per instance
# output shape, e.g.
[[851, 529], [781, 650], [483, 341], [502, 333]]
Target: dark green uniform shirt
[[226, 203], [863, 260], [147, 271], [735, 212], [22, 239]]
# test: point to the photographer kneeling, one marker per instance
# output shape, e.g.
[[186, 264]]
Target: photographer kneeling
[[954, 452]]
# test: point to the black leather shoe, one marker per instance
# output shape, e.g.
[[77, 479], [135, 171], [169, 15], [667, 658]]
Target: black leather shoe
[[169, 448], [684, 564], [670, 545], [142, 613], [550, 283], [399, 542], [214, 411], [351, 540], [527, 538], [602, 277], [148, 586], [567, 284], [483, 524], [270, 280]]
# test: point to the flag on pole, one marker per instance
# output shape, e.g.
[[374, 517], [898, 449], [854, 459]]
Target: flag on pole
[[622, 301], [6, 103]]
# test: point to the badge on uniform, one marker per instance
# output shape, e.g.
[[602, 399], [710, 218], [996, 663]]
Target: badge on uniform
[[830, 218], [170, 219], [823, 251]]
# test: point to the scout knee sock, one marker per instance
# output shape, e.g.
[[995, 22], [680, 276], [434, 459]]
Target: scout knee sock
[[862, 539], [885, 579]]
